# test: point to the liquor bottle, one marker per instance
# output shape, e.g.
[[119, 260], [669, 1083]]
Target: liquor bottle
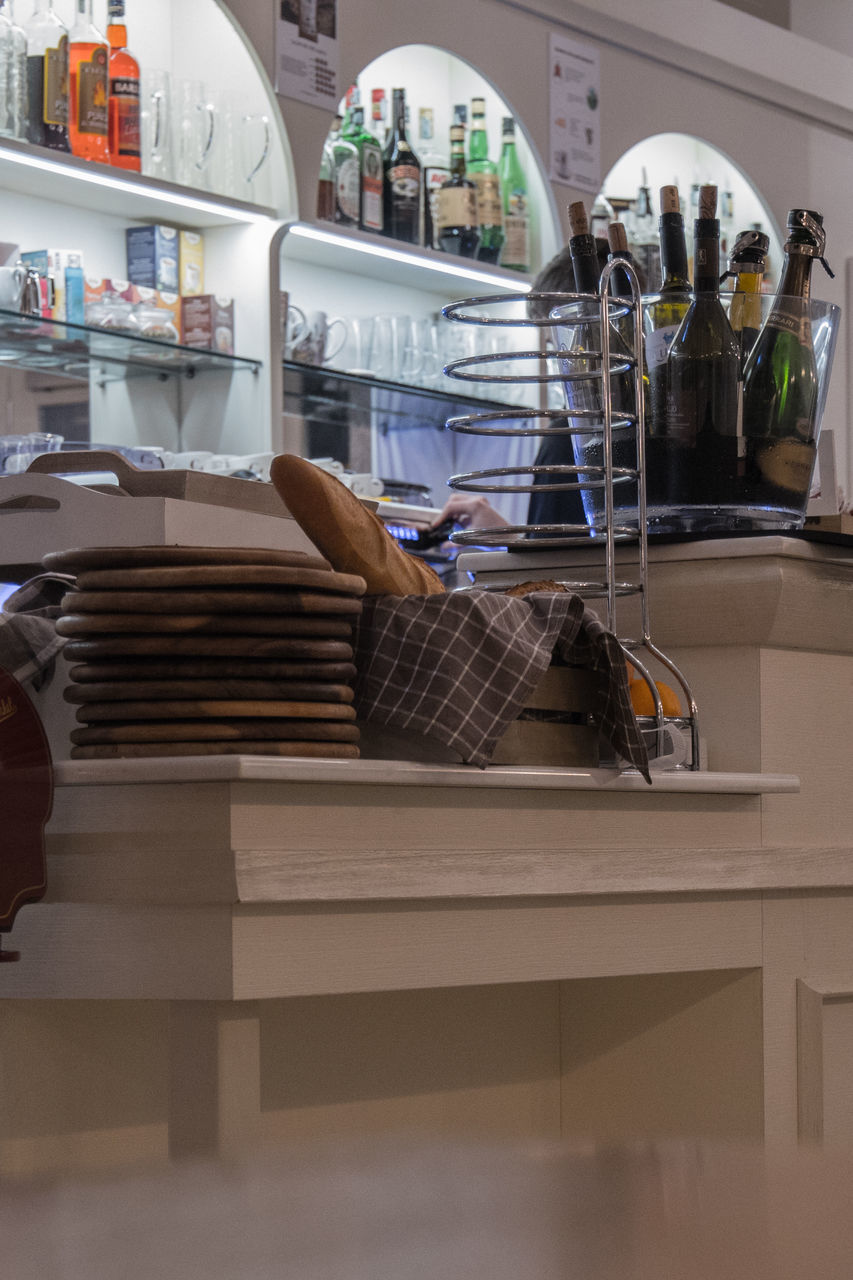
[[379, 115], [456, 204], [347, 176], [727, 220], [485, 174], [88, 85], [780, 379], [402, 178], [435, 170], [663, 314], [460, 114], [370, 173], [326, 180], [47, 78], [516, 249], [643, 237], [698, 468], [17, 102], [124, 135], [747, 262]]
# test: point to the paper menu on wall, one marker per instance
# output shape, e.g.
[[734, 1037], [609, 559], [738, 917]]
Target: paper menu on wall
[[306, 52], [575, 117]]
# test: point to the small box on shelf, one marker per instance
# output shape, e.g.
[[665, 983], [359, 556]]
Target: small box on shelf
[[152, 257], [207, 322], [191, 263]]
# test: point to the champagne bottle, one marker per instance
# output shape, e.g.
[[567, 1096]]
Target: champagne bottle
[[664, 313], [484, 173], [456, 209], [516, 249], [402, 178], [780, 376], [746, 265], [702, 424]]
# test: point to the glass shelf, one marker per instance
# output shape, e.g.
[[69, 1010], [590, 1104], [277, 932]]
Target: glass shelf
[[323, 385], [77, 351]]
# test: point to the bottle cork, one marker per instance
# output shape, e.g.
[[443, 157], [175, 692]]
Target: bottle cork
[[617, 237], [707, 202], [578, 220], [669, 201]]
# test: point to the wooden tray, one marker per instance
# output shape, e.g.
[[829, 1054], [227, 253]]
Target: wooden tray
[[243, 690], [80, 559], [208, 647], [220, 575], [106, 751], [177, 668], [214, 709], [217, 731], [277, 624]]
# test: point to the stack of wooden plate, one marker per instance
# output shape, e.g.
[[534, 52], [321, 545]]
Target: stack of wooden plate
[[208, 650]]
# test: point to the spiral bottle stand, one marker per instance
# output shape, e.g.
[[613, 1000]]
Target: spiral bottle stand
[[586, 372]]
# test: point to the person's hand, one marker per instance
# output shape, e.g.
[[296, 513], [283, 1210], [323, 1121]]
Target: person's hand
[[469, 510]]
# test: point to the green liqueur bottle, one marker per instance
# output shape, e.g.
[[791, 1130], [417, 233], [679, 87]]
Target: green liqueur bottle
[[484, 173], [370, 172], [516, 249], [698, 467], [781, 384], [665, 311], [347, 174], [456, 206]]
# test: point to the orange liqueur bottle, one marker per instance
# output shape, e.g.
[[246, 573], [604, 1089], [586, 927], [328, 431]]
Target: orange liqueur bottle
[[88, 68], [124, 141]]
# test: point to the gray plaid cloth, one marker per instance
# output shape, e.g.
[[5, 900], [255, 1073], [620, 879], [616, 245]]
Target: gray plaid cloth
[[28, 640], [460, 667]]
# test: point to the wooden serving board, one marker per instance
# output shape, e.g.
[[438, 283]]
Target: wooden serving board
[[220, 575], [208, 647], [196, 690], [277, 624], [176, 668], [113, 751], [81, 559], [214, 709], [217, 731], [211, 601]]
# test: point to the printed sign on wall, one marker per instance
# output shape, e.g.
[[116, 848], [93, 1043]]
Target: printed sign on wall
[[574, 99], [306, 51]]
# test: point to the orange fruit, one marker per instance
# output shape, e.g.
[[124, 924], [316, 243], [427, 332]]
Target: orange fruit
[[643, 702]]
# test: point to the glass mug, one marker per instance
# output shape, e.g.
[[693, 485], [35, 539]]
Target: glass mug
[[156, 124], [196, 133], [12, 281]]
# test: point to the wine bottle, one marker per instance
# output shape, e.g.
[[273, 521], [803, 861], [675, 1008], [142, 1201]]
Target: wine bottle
[[780, 377], [88, 61], [746, 266], [47, 78], [699, 467], [516, 249], [664, 313], [585, 265], [124, 123], [435, 171], [456, 207], [484, 173], [370, 173], [620, 281], [402, 178]]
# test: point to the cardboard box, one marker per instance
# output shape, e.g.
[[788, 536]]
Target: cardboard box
[[207, 321], [94, 288], [63, 267], [152, 257], [190, 263]]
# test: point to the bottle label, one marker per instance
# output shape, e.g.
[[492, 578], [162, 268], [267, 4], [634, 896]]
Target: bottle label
[[55, 110], [434, 178], [124, 95], [489, 204], [347, 187], [516, 250], [371, 187], [405, 180], [788, 322], [91, 113], [657, 345], [457, 207]]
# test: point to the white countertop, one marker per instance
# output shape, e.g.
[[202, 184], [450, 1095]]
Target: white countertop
[[402, 773]]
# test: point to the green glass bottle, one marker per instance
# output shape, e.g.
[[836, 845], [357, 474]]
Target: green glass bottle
[[780, 384], [664, 312], [484, 172], [370, 171], [746, 264], [456, 205], [516, 249]]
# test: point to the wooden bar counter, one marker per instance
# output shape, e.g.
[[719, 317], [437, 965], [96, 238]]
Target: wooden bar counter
[[239, 951]]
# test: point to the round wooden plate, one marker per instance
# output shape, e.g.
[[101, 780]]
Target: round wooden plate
[[220, 575], [278, 624], [209, 668], [119, 750], [79, 559], [217, 731], [214, 709], [229, 690], [210, 601], [208, 646]]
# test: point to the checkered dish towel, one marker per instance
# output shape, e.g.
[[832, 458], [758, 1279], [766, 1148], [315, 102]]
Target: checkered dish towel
[[28, 640], [460, 667]]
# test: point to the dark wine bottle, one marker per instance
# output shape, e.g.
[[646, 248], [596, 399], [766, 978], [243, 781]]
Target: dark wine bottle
[[780, 376], [456, 207], [585, 264], [664, 312], [746, 265], [402, 174]]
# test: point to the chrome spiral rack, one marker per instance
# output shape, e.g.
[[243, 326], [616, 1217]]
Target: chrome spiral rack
[[590, 348]]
